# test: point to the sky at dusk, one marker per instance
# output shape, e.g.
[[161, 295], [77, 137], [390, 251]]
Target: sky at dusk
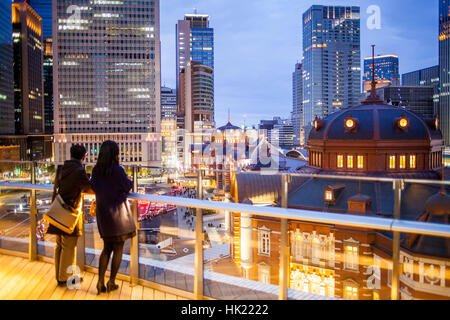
[[258, 42]]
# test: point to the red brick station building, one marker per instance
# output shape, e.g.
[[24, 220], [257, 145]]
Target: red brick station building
[[374, 139]]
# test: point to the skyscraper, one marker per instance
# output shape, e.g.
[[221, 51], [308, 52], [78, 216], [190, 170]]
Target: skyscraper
[[428, 77], [331, 64], [196, 94], [48, 85], [107, 78], [168, 102], [28, 81], [386, 72], [44, 9], [444, 66], [195, 42], [297, 103], [6, 70]]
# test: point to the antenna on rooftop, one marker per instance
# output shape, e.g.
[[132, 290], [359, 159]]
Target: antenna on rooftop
[[195, 10]]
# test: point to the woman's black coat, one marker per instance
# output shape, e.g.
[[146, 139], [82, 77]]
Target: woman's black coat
[[114, 217]]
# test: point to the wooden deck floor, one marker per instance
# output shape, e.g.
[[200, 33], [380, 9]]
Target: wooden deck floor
[[21, 279]]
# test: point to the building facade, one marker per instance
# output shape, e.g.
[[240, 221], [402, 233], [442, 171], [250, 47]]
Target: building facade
[[44, 9], [386, 72], [374, 139], [196, 92], [444, 68], [332, 60], [416, 99], [28, 70], [194, 42], [48, 85], [6, 71], [279, 132], [428, 77], [107, 77], [297, 106], [168, 103]]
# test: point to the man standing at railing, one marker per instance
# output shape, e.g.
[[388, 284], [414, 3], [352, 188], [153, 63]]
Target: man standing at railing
[[71, 181]]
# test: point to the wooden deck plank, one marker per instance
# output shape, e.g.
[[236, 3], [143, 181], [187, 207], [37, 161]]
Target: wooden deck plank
[[148, 294], [171, 296], [70, 294], [137, 292], [36, 282], [48, 279], [50, 286], [91, 294], [13, 279], [115, 295], [125, 293], [159, 295], [26, 281], [8, 269], [87, 280]]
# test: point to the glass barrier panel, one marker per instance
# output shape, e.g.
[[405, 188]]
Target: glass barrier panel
[[14, 219], [166, 234], [15, 172], [46, 241], [45, 173]]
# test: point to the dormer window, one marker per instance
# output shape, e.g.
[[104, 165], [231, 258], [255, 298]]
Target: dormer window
[[318, 124], [403, 123], [332, 193], [350, 124]]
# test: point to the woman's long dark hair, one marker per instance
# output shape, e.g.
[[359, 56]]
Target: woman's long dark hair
[[108, 156]]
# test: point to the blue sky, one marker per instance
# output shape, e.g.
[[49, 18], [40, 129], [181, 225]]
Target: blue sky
[[258, 42]]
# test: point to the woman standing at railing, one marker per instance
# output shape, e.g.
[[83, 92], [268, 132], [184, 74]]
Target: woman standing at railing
[[114, 218]]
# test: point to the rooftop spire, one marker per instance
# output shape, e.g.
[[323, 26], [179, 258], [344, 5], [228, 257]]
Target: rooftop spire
[[373, 98]]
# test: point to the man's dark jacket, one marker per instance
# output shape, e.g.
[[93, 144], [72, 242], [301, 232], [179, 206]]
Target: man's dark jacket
[[71, 181]]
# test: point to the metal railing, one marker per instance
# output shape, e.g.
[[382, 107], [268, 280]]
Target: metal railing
[[283, 213]]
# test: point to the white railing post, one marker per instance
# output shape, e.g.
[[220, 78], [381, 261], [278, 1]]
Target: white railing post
[[33, 244], [398, 186], [134, 248], [284, 247], [199, 274]]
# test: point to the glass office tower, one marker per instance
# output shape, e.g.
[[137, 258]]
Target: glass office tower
[[332, 60], [428, 77], [28, 81], [444, 66], [44, 9], [194, 42], [297, 103], [386, 72], [107, 77], [6, 70]]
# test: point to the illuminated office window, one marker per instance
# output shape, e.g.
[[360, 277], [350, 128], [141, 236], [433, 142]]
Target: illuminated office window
[[340, 161], [350, 162], [391, 162], [402, 162], [360, 162], [412, 161]]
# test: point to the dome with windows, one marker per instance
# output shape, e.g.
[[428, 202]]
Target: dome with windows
[[375, 137]]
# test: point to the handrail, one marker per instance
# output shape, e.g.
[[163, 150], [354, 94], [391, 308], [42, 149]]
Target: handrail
[[293, 174], [377, 223]]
